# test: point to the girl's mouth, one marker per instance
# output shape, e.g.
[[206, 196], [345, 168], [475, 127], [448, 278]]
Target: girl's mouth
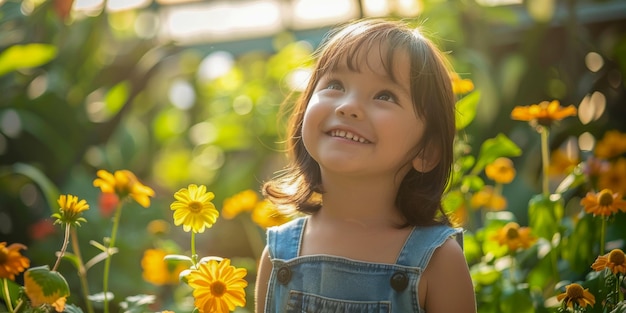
[[348, 135]]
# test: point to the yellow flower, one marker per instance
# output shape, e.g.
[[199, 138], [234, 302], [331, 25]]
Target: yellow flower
[[241, 202], [266, 215], [124, 183], [515, 237], [501, 170], [603, 203], [544, 113], [575, 295], [489, 199], [612, 144], [193, 208], [11, 260], [70, 210], [460, 86], [218, 286], [614, 260], [158, 271], [158, 227], [615, 177]]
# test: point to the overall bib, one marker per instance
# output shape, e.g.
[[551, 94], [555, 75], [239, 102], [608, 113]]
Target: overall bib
[[325, 284]]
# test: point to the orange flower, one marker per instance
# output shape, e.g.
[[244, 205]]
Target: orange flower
[[460, 86], [545, 113], [501, 170], [489, 199], [124, 183], [244, 201], [515, 237], [266, 215], [11, 260], [575, 295], [561, 163], [615, 177], [603, 203], [614, 260], [612, 144]]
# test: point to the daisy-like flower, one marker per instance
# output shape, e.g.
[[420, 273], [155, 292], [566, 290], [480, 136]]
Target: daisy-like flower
[[545, 113], [70, 210], [11, 260], [218, 286], [193, 208], [515, 237], [266, 215], [501, 170], [489, 199], [612, 144], [244, 201], [603, 203], [561, 163], [614, 260], [124, 183], [575, 294], [158, 271], [461, 86]]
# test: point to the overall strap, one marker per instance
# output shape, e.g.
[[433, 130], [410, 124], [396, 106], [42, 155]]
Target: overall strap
[[288, 246], [423, 242]]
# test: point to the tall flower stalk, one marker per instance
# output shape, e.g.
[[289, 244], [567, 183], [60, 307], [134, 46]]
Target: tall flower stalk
[[125, 185]]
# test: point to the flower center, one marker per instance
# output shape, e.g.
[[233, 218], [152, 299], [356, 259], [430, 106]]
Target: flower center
[[512, 233], [574, 291], [218, 288], [195, 206], [605, 198], [617, 257]]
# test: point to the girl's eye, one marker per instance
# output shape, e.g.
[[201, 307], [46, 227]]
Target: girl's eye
[[334, 85], [386, 96]]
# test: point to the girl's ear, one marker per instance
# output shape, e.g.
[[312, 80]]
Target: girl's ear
[[426, 160]]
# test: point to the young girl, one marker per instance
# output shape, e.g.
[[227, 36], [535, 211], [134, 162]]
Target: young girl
[[370, 142]]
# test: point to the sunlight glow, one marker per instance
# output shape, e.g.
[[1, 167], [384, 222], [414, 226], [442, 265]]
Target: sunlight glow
[[314, 13], [221, 21]]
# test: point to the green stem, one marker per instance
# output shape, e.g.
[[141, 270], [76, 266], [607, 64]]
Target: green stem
[[82, 272], [66, 240], [602, 235], [194, 256], [107, 262], [545, 159], [7, 295]]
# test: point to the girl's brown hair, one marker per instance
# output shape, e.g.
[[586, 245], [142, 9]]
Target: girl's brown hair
[[419, 195]]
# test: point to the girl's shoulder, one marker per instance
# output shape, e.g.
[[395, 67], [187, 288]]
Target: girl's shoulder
[[283, 241]]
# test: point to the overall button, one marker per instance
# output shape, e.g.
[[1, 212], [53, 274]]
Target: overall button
[[283, 275], [399, 281]]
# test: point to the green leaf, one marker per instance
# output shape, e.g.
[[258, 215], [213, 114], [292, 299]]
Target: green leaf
[[472, 182], [491, 149], [466, 109], [70, 308], [137, 303], [26, 56], [116, 97], [51, 283], [177, 257], [13, 289], [545, 213], [518, 301]]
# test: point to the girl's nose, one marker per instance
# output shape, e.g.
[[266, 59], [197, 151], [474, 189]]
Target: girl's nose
[[350, 108]]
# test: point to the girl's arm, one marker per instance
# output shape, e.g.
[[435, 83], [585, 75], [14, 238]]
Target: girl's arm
[[262, 280], [448, 282]]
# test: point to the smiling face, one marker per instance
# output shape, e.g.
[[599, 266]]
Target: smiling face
[[360, 119]]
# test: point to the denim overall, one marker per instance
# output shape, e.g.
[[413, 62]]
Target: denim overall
[[324, 283]]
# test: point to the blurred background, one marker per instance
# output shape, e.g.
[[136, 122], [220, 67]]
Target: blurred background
[[183, 91]]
